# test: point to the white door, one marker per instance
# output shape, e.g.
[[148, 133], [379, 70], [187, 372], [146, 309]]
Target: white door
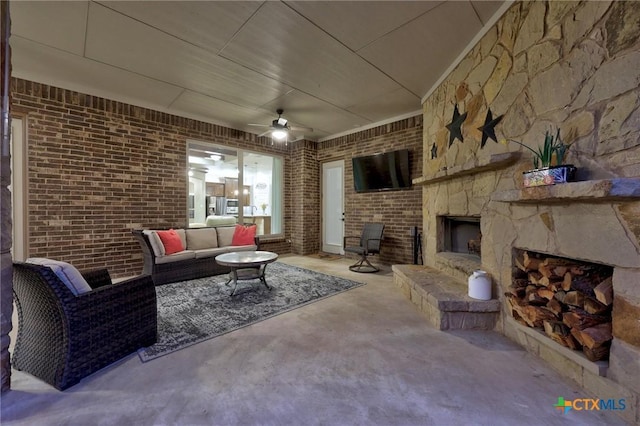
[[18, 188], [333, 207]]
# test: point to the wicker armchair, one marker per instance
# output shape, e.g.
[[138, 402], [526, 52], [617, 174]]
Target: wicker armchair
[[63, 338]]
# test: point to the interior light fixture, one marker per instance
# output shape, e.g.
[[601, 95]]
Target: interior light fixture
[[215, 157], [279, 134], [190, 172]]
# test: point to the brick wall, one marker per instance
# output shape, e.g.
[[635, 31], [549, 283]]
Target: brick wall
[[398, 210], [99, 168]]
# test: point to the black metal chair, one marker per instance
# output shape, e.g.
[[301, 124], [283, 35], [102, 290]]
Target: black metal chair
[[63, 338], [370, 241]]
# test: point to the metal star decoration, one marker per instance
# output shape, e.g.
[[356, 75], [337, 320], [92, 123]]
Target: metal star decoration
[[488, 130], [434, 151], [454, 127]]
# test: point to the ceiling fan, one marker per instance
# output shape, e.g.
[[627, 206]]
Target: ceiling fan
[[280, 127]]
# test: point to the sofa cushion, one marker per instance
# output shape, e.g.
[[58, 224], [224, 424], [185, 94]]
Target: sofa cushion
[[244, 235], [67, 273], [183, 237], [202, 238], [225, 235], [183, 255], [156, 243], [212, 252], [171, 241]]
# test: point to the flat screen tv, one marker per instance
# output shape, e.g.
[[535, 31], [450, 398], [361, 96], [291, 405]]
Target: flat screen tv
[[387, 171]]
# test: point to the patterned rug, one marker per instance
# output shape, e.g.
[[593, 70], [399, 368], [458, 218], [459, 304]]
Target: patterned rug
[[193, 311]]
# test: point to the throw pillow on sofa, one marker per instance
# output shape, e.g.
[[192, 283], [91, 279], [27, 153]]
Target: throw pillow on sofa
[[171, 241], [244, 235], [67, 273]]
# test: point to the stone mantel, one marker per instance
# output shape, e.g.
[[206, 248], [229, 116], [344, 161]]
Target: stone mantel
[[593, 191], [475, 165]]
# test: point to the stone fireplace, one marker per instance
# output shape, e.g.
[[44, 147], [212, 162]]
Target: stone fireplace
[[593, 221], [571, 65]]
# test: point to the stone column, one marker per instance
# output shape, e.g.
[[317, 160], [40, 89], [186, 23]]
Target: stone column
[[6, 264]]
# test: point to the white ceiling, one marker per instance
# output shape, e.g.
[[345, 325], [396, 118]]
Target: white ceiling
[[333, 66]]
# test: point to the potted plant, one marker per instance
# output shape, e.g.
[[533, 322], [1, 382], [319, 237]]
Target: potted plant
[[264, 208], [548, 162]]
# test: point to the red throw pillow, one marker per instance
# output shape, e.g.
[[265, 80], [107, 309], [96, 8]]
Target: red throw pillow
[[244, 235], [171, 241]]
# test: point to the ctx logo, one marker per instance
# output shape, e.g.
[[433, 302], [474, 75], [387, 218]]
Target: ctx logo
[[589, 404]]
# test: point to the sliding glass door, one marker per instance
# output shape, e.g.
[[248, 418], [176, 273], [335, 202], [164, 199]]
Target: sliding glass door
[[245, 185]]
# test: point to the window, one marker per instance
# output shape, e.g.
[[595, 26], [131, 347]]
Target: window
[[230, 182]]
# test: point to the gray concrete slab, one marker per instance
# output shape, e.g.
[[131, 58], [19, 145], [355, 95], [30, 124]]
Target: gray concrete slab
[[363, 357]]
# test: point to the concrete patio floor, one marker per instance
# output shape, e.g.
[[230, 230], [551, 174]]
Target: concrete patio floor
[[363, 357]]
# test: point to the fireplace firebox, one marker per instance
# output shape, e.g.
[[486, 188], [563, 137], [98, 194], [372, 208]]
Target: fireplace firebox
[[461, 234]]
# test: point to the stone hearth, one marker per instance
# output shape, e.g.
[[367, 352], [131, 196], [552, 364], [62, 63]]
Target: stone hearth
[[443, 299]]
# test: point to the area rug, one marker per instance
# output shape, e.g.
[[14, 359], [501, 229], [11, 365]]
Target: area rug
[[193, 311]]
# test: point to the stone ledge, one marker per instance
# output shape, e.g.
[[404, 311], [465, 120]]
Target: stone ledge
[[444, 300], [474, 165], [604, 190]]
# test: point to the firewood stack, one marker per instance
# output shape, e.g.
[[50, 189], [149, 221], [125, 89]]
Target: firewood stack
[[570, 300]]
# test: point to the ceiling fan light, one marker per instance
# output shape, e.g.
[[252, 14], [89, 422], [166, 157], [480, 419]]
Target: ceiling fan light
[[279, 134], [282, 121]]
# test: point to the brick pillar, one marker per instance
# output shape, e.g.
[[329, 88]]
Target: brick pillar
[[305, 190]]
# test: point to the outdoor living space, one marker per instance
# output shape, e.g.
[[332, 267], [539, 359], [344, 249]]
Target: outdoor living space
[[523, 155], [365, 356]]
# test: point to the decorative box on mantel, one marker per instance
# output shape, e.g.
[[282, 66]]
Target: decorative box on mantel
[[549, 175]]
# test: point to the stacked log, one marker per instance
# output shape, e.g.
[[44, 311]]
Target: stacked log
[[568, 299]]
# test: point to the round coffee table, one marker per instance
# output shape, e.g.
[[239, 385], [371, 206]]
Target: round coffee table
[[246, 265]]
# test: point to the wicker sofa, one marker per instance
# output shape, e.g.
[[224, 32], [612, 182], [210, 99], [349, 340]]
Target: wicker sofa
[[196, 261], [64, 337]]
